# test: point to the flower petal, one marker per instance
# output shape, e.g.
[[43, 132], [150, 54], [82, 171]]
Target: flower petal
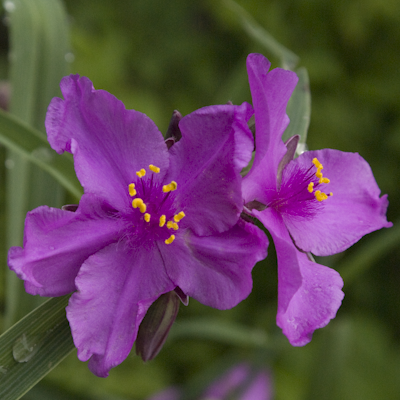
[[270, 93], [354, 210], [206, 165], [216, 270], [109, 143], [57, 242], [115, 289], [309, 294]]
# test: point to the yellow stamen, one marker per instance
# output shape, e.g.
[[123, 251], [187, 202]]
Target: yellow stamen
[[320, 196], [141, 173], [330, 194], [310, 187], [132, 190], [179, 216], [172, 225], [170, 188], [147, 217], [138, 203], [324, 180], [162, 220], [317, 163], [170, 239], [154, 168], [318, 174]]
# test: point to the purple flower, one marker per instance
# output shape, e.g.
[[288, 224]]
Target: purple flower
[[321, 202], [150, 220], [241, 382]]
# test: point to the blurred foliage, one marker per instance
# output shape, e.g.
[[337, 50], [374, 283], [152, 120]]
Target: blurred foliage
[[159, 56]]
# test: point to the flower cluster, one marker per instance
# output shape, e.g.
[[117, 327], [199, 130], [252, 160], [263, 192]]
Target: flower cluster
[[169, 216]]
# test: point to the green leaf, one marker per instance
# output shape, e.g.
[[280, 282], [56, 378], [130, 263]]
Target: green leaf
[[299, 110], [33, 347], [33, 146], [38, 31], [223, 332], [288, 59]]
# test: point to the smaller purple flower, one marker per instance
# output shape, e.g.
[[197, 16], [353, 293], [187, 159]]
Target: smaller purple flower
[[321, 202], [240, 382], [153, 218]]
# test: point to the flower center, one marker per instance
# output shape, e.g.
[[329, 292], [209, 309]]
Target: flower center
[[155, 205], [300, 194]]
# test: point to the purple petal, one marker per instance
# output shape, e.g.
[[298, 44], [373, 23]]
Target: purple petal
[[216, 270], [57, 242], [206, 165], [354, 210], [260, 388], [109, 143], [115, 286], [309, 294], [270, 93], [229, 382]]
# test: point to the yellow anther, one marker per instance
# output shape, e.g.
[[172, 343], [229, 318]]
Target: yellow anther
[[310, 187], [138, 203], [162, 220], [330, 194], [320, 196], [154, 168], [172, 225], [179, 216], [132, 190], [324, 180], [147, 217], [317, 163], [170, 239], [170, 187], [318, 174], [141, 173]]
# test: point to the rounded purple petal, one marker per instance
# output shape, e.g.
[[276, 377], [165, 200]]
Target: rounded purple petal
[[115, 286], [309, 294], [260, 387], [57, 242], [216, 270], [206, 165], [109, 143], [354, 209], [270, 92], [229, 382]]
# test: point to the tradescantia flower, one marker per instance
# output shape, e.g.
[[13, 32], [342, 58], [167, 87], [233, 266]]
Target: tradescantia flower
[[321, 202], [240, 382], [151, 218]]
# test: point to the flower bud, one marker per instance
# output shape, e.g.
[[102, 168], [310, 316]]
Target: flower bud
[[153, 330]]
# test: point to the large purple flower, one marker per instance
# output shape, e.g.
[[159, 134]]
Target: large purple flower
[[321, 202], [151, 219]]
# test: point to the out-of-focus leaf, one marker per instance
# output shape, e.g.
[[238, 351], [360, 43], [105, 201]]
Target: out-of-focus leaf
[[33, 347], [299, 110], [38, 33], [33, 146], [288, 59], [228, 333], [382, 243]]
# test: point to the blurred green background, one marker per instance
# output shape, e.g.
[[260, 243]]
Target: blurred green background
[[158, 56]]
